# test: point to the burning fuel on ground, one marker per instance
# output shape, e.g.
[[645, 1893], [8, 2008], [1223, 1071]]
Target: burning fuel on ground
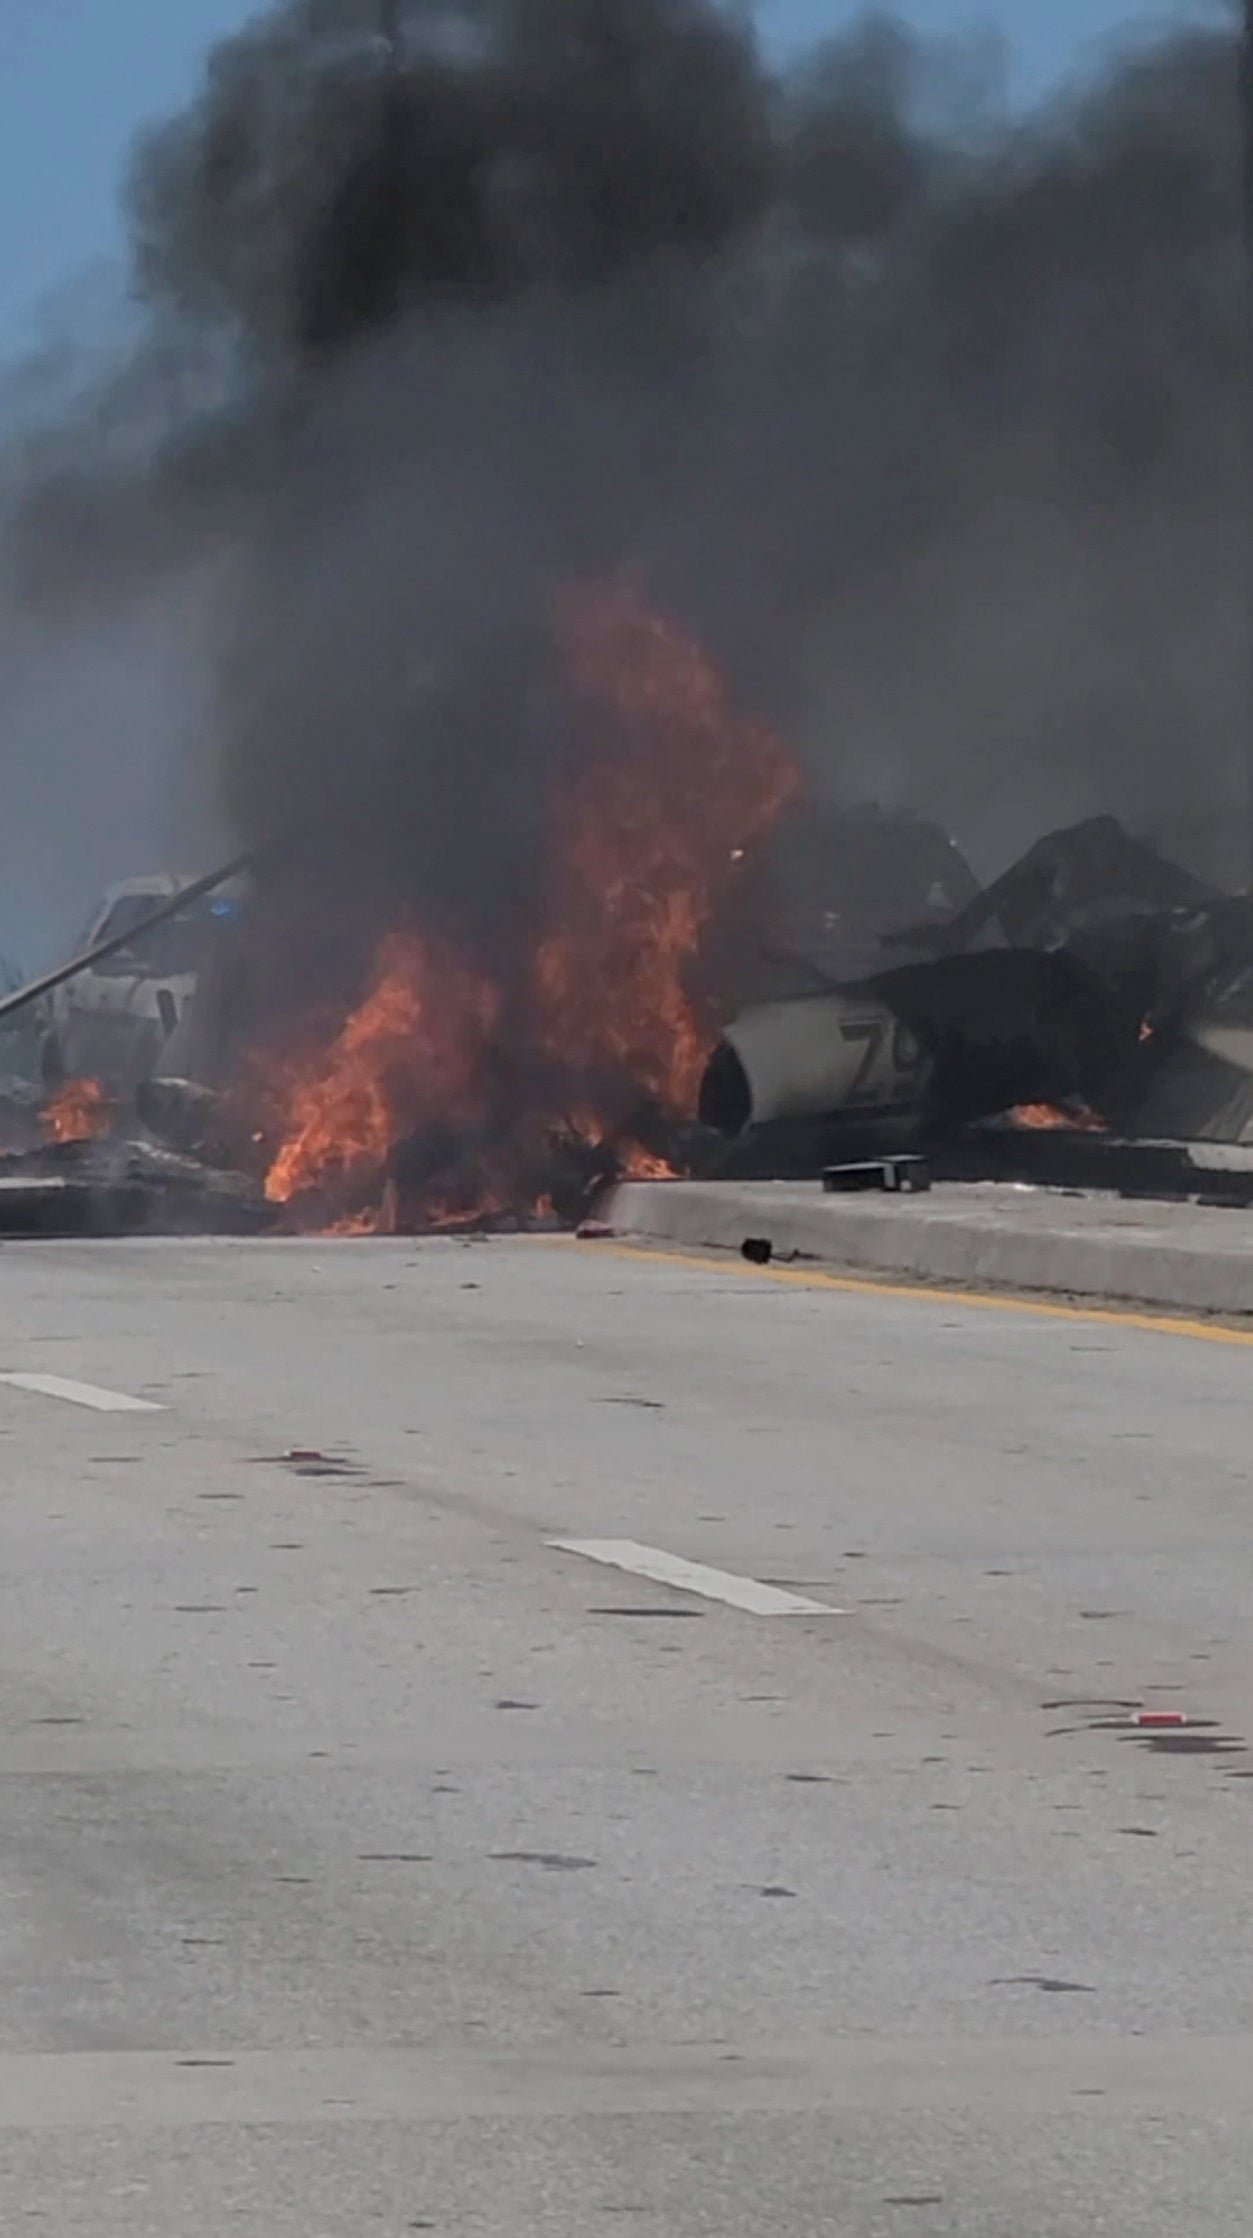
[[81, 1111]]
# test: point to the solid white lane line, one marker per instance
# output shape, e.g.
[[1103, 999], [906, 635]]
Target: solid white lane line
[[693, 1577], [82, 1394]]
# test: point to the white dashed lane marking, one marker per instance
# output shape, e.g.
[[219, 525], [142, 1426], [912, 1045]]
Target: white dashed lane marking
[[693, 1577], [82, 1394]]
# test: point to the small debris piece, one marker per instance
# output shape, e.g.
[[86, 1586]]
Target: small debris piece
[[552, 1861], [1152, 1718], [907, 1176], [593, 1231], [758, 1250], [1047, 1982]]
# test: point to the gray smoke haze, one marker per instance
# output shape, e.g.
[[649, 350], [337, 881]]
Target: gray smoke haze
[[930, 423], [103, 701], [100, 753]]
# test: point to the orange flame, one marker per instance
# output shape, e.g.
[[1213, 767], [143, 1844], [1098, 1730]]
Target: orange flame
[[412, 1054], [81, 1111], [643, 844], [647, 841], [1047, 1115]]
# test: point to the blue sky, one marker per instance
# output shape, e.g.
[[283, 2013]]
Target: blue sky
[[77, 77]]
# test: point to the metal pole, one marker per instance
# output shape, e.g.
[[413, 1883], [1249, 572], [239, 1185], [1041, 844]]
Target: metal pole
[[158, 915]]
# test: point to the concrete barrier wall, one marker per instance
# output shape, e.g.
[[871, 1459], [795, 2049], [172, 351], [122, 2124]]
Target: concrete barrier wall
[[1181, 1257]]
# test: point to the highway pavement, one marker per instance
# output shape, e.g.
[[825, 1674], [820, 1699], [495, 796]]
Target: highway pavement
[[521, 1739]]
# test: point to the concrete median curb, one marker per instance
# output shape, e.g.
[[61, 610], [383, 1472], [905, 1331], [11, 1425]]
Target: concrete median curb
[[1186, 1258]]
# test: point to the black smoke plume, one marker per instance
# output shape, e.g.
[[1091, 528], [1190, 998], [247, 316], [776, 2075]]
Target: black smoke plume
[[930, 420]]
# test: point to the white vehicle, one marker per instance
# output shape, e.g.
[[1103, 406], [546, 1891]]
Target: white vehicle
[[114, 1022]]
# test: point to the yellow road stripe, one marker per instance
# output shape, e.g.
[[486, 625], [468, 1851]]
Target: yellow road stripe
[[812, 1278]]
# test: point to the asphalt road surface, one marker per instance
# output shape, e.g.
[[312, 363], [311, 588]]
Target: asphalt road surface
[[369, 1863]]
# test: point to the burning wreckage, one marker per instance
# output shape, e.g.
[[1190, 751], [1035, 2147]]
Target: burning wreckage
[[502, 1053], [1095, 989]]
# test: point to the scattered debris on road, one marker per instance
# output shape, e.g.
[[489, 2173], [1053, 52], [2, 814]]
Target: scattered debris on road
[[98, 1187]]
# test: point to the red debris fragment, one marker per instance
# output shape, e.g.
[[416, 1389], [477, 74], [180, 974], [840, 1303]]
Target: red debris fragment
[[303, 1453], [593, 1231], [1159, 1717]]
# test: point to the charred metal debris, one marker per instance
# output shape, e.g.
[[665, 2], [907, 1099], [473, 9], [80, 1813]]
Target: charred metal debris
[[1085, 1021]]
